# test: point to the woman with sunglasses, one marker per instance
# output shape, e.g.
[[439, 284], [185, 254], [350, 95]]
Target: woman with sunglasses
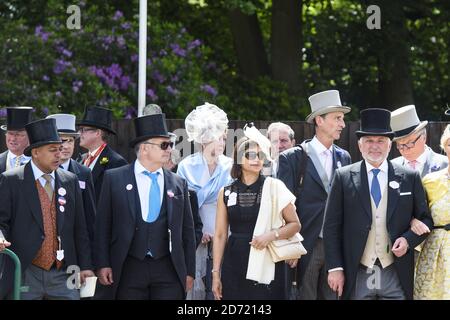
[[206, 172], [247, 271]]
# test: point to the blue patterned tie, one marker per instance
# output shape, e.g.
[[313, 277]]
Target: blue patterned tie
[[375, 190], [154, 204]]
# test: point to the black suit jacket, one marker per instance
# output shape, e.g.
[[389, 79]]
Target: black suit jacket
[[113, 160], [116, 222], [3, 158], [198, 224], [21, 221], [311, 198], [87, 191], [349, 219]]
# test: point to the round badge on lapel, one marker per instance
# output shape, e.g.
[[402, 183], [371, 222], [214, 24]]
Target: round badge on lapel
[[129, 187], [62, 191], [62, 201]]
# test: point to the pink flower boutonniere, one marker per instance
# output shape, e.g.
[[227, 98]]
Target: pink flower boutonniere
[[170, 193], [104, 160]]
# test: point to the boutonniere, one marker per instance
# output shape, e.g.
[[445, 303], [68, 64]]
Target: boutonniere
[[394, 184], [434, 168], [338, 164], [104, 160], [170, 194]]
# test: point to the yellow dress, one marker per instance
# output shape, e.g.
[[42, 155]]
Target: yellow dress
[[432, 279]]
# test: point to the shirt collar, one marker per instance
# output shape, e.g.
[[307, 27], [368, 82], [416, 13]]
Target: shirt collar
[[423, 157], [319, 147], [384, 166], [66, 164], [13, 156], [38, 173], [94, 151], [139, 168]]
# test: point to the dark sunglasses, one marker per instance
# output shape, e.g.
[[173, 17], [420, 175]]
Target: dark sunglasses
[[163, 145], [252, 155]]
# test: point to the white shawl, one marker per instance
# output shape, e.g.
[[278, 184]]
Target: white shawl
[[260, 267]]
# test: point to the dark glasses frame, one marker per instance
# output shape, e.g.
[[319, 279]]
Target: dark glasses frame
[[163, 145]]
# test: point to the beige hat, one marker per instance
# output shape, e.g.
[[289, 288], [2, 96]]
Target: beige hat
[[325, 102], [404, 121]]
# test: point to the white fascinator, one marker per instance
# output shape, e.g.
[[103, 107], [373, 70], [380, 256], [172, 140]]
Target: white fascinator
[[253, 134], [206, 123]]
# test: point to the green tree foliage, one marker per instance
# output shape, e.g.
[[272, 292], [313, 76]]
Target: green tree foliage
[[192, 56]]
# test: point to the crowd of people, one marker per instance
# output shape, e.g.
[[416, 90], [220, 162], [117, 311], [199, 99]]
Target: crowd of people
[[199, 229]]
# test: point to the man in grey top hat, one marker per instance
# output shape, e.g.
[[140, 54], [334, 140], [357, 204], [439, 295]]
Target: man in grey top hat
[[307, 170], [410, 138]]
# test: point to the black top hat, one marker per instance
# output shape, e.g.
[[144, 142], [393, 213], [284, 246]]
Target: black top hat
[[17, 118], [151, 126], [97, 117], [40, 133], [375, 122]]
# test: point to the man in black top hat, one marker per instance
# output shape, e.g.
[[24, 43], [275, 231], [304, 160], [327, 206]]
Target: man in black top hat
[[16, 137], [367, 235], [16, 142], [145, 245], [42, 218], [95, 127]]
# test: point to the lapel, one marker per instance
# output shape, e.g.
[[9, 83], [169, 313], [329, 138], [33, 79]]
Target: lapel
[[311, 168], [133, 194], [73, 167], [361, 184], [99, 168], [169, 184], [428, 163], [60, 184], [337, 159], [393, 194], [32, 196], [3, 158]]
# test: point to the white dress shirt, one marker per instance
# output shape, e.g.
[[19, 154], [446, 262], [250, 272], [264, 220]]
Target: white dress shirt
[[382, 176], [65, 165], [91, 166], [11, 159], [38, 175], [144, 183], [420, 161], [325, 155]]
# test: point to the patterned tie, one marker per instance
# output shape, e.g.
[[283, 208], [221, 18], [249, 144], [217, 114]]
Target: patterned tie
[[375, 190], [48, 185], [413, 164], [18, 161], [154, 205]]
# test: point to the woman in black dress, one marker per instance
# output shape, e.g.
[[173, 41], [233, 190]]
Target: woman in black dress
[[237, 209]]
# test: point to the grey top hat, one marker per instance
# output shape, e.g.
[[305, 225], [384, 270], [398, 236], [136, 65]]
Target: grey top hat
[[325, 102], [404, 121], [65, 124]]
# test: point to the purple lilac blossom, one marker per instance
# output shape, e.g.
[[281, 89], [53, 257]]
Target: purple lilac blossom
[[209, 89], [152, 95]]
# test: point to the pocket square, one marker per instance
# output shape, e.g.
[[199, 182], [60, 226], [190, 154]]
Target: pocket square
[[405, 193]]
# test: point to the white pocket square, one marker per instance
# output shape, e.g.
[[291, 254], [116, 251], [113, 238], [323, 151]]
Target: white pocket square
[[405, 193]]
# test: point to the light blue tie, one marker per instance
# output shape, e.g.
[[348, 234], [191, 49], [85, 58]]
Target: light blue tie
[[375, 190], [154, 204]]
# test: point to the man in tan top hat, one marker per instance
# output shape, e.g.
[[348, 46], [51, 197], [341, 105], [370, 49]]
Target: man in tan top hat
[[410, 138]]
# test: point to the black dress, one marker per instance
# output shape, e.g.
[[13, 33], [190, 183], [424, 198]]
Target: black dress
[[242, 218]]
